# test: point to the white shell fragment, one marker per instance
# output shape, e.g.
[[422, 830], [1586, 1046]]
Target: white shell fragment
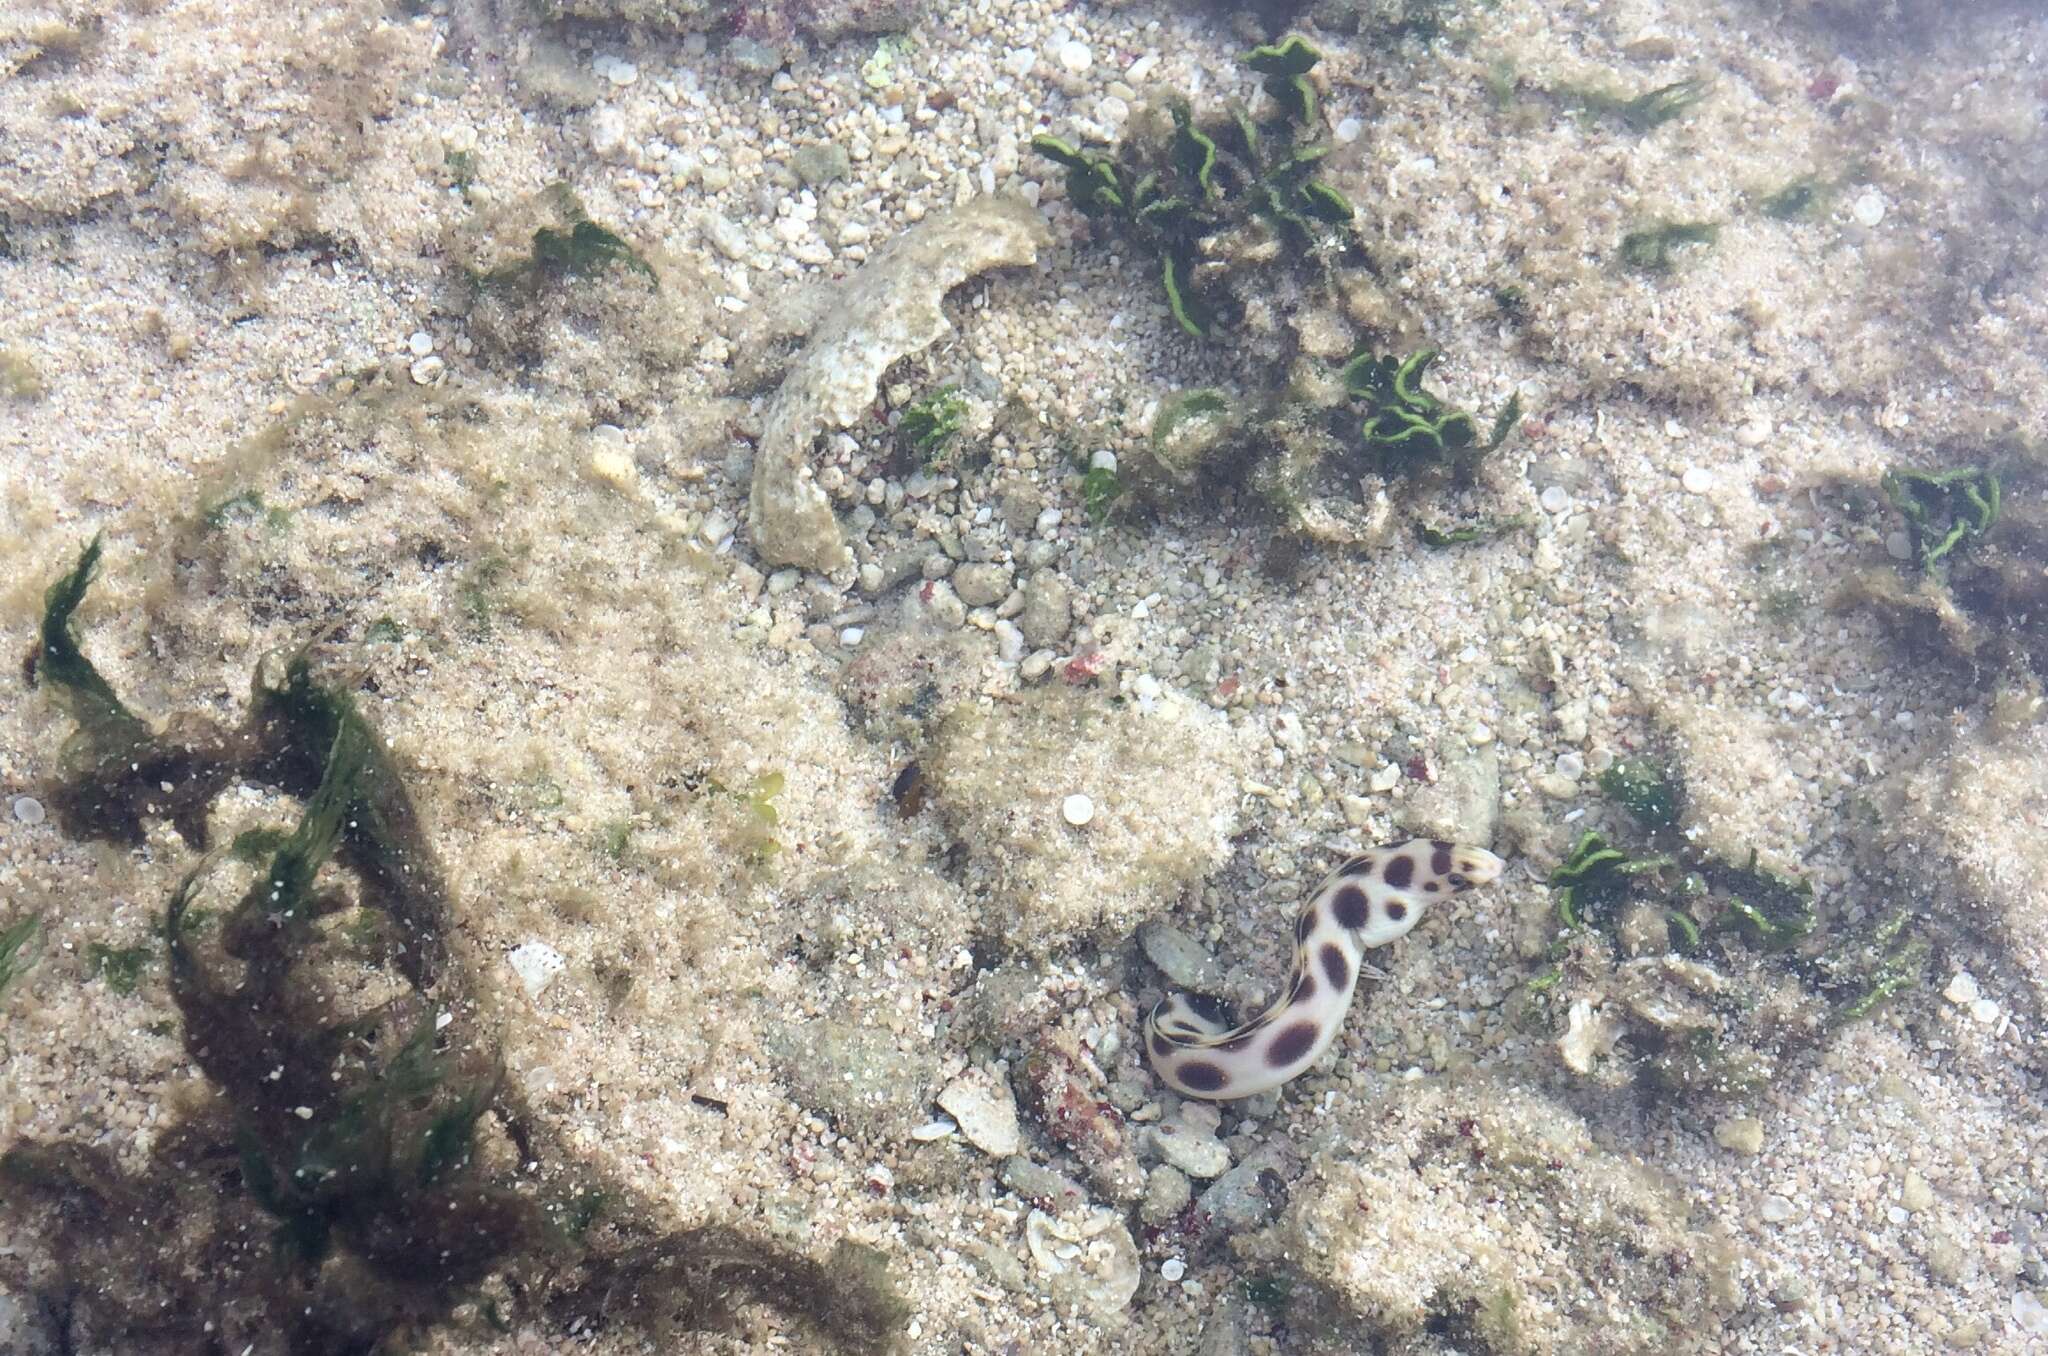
[[985, 1110], [536, 964], [1077, 810]]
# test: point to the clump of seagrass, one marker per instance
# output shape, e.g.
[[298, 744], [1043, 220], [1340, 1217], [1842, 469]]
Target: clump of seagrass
[[1254, 248], [403, 1181], [1691, 974]]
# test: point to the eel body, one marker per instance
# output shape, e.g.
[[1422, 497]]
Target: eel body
[[1369, 901]]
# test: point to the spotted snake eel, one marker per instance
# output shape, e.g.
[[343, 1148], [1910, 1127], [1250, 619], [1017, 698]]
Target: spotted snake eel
[[1369, 901]]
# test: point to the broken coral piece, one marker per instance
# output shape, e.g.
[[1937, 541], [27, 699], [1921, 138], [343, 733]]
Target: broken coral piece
[[887, 311]]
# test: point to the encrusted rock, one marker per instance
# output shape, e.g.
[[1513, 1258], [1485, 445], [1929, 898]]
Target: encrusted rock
[[1463, 1192], [1167, 1193], [1061, 1089], [1163, 789], [852, 1073]]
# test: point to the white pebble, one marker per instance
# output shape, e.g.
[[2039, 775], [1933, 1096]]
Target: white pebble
[[1049, 522], [1077, 810], [1173, 1269], [1984, 1010], [1103, 460], [1961, 989], [428, 370], [28, 810], [1571, 764], [1555, 499], [1020, 60], [420, 343], [2030, 1313], [536, 964], [1076, 56], [607, 131], [620, 72], [1777, 1209], [1348, 130], [851, 636], [1480, 735], [1697, 480], [933, 1130], [1898, 545], [1868, 208]]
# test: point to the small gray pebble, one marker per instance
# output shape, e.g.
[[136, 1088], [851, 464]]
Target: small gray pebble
[[28, 810], [1039, 1184], [982, 585], [1180, 957]]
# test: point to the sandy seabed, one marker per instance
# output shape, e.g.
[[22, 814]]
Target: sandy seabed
[[764, 895]]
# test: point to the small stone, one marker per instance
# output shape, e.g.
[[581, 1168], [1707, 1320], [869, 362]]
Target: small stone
[[1041, 1185], [728, 239], [982, 585], [1018, 61], [1348, 130], [1697, 480], [1239, 1200], [1076, 56], [1167, 1193], [1077, 810], [1740, 1134], [1048, 610], [1961, 989], [1776, 1209], [1172, 1269], [821, 163], [754, 56], [536, 964], [1868, 208], [1571, 764], [28, 810], [1197, 1155], [1009, 642], [1102, 460], [1182, 959], [851, 636], [2029, 1314], [1036, 664], [617, 70], [614, 467], [715, 178], [607, 131], [1984, 1010], [1914, 1193], [429, 370], [1385, 778], [1898, 545], [420, 343], [985, 1110], [1557, 786], [933, 1130], [1555, 499]]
